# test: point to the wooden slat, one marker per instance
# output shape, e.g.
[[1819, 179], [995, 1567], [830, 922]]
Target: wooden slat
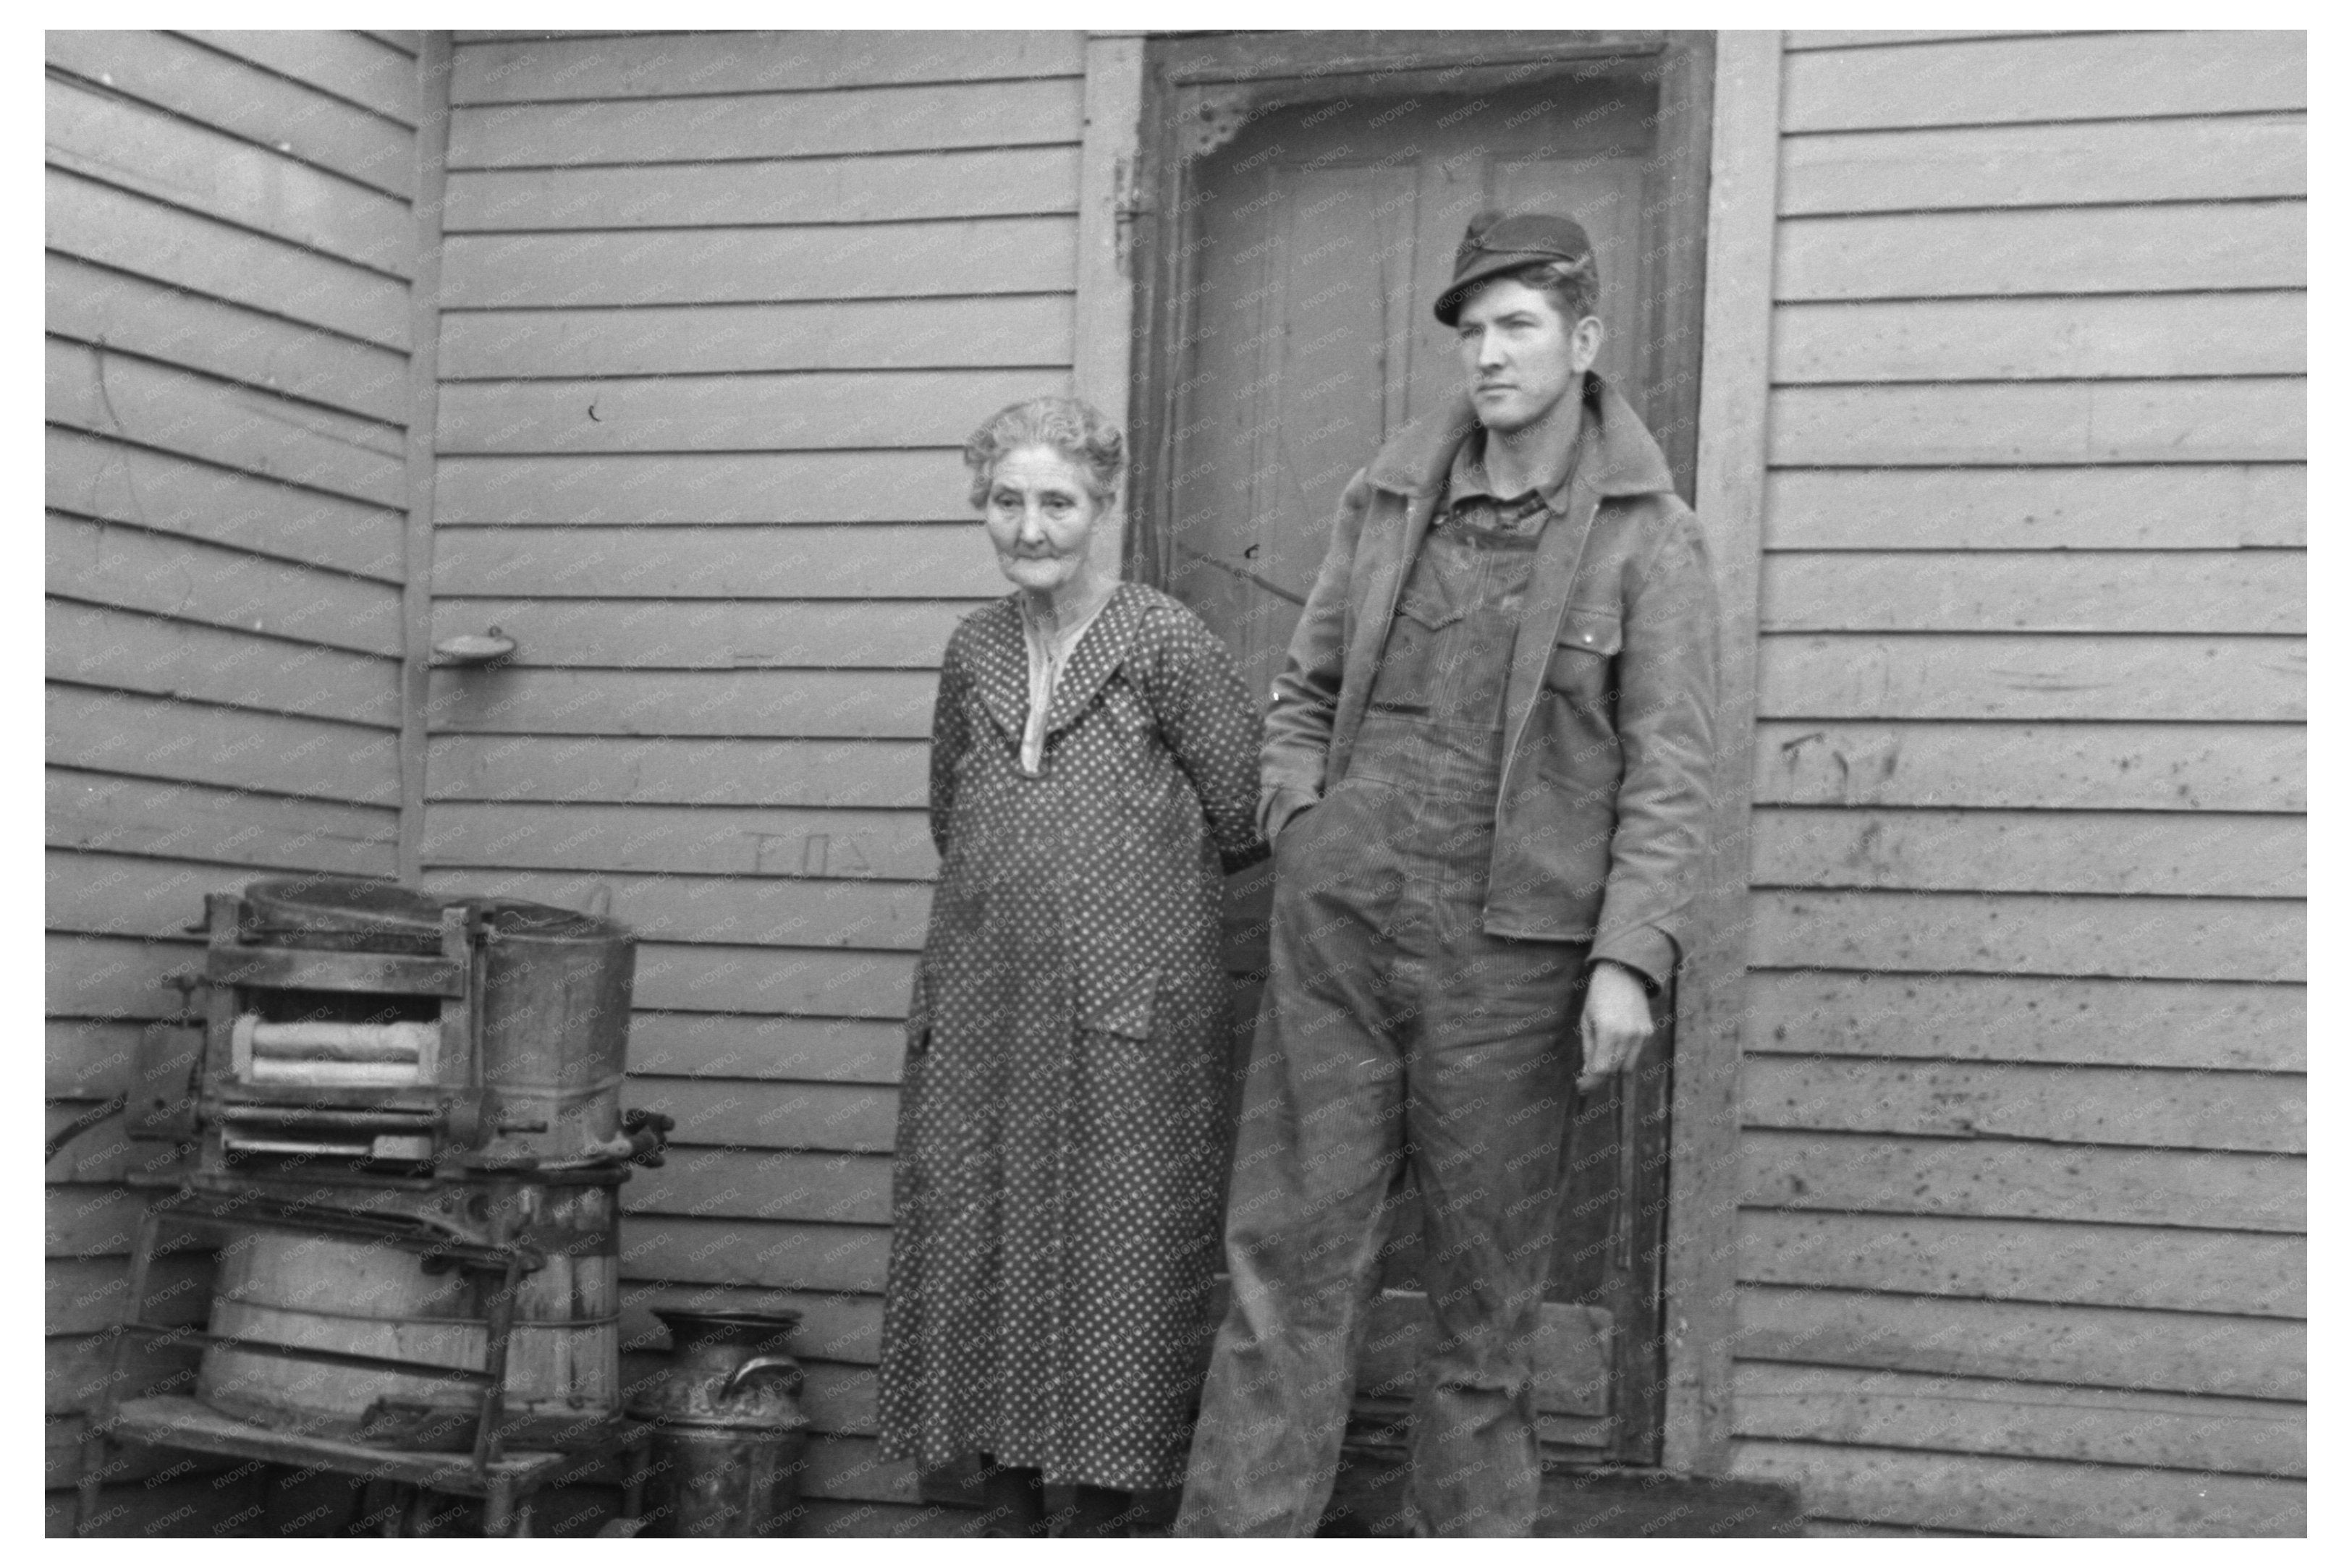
[[708, 488], [721, 841], [2001, 1178], [78, 1367], [749, 62], [1798, 38], [839, 1326], [736, 1184], [122, 732], [131, 233], [162, 574], [768, 910], [2035, 590], [2161, 1022], [800, 412], [2165, 853], [761, 265], [1985, 1416], [2025, 933], [720, 1045], [120, 895], [2044, 165], [195, 82], [408, 41], [87, 1223], [2040, 340], [112, 308], [88, 1058], [816, 411], [350, 64], [773, 1253], [767, 125], [2145, 1107], [2245, 420], [835, 335], [2188, 1352], [2114, 767], [663, 771], [2062, 250], [838, 704], [2098, 76], [892, 188], [810, 982], [93, 476], [107, 394], [2186, 507], [798, 561], [100, 647], [2021, 1497], [722, 634], [840, 1118], [2004, 676], [197, 821], [2019, 1260], [81, 1297], [100, 1152], [123, 143]]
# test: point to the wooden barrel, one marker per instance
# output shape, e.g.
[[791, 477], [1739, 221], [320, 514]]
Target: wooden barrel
[[564, 1356]]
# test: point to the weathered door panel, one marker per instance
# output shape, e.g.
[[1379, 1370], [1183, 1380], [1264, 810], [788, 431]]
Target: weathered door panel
[[1315, 239]]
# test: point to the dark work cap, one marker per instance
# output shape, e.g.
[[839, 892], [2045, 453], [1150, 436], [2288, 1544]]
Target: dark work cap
[[1496, 243]]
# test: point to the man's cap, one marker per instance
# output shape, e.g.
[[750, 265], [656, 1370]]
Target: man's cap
[[1497, 243]]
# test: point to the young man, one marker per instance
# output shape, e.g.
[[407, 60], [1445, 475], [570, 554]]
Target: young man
[[1487, 776]]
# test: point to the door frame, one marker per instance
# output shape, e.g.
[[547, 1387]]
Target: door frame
[[1719, 108]]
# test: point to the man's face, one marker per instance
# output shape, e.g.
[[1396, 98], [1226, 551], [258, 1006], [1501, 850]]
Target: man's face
[[1520, 355]]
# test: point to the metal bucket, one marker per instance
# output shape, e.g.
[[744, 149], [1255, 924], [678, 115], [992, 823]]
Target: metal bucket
[[729, 1435]]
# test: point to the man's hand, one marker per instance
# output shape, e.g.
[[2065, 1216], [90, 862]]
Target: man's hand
[[1616, 1023]]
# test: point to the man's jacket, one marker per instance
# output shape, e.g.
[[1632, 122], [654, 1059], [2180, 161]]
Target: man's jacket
[[1602, 819]]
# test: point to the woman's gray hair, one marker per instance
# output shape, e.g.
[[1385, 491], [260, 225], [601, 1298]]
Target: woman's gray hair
[[1065, 424]]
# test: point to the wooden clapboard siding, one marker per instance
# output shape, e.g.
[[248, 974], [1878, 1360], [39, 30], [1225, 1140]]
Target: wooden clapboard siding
[[887, 188], [1975, 1174], [2029, 851], [2107, 766], [119, 311], [2103, 1021], [230, 241], [2022, 1176], [2028, 590], [229, 95], [716, 635], [810, 410], [2250, 334], [720, 312], [828, 335]]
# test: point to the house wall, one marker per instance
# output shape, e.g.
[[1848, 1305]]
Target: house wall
[[2021, 1244], [718, 314], [230, 241]]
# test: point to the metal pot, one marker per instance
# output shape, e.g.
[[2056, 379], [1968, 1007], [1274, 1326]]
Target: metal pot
[[728, 1433]]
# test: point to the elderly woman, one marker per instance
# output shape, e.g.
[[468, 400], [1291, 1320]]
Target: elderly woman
[[1094, 767]]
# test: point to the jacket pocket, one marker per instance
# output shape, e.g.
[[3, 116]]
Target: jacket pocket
[[1122, 1006], [1589, 638]]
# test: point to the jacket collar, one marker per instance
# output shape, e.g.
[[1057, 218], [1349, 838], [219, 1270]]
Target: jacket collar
[[1620, 457]]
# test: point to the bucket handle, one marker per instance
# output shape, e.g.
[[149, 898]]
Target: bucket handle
[[778, 1362]]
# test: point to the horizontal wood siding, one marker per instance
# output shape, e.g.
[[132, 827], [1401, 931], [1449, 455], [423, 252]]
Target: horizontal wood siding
[[229, 248], [719, 313], [2023, 1168]]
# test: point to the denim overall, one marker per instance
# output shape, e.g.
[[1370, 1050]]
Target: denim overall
[[1398, 1034]]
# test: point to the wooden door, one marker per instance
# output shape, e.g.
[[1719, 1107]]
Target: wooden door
[[1318, 234]]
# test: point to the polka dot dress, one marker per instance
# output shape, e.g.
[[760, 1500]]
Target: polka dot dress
[[1060, 1125]]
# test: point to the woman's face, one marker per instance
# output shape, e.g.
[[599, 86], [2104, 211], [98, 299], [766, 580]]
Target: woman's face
[[1039, 516]]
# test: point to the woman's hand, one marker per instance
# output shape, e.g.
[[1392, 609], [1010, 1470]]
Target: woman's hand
[[1616, 1023]]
